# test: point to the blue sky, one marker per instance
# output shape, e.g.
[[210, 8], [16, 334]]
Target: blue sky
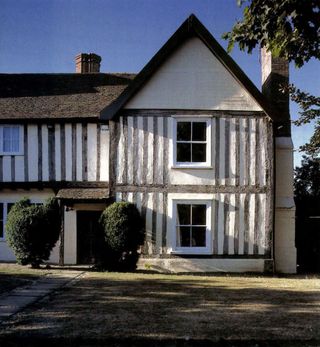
[[45, 36]]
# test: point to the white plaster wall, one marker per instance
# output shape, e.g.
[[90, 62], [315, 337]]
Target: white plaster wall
[[104, 153], [13, 168], [213, 175], [92, 152], [70, 237], [33, 152], [6, 253], [192, 78], [285, 250], [55, 254], [223, 223], [9, 196], [45, 157]]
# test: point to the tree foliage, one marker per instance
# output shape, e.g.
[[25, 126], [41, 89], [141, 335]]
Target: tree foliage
[[33, 230], [289, 29], [307, 178], [310, 106], [124, 233]]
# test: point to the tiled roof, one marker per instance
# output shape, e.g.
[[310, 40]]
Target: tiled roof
[[39, 96]]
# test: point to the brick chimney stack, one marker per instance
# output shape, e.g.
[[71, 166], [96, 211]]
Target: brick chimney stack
[[88, 63], [275, 72]]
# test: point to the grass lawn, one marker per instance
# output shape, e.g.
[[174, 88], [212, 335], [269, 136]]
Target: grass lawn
[[152, 306]]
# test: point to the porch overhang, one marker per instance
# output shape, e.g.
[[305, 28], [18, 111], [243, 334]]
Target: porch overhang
[[83, 194]]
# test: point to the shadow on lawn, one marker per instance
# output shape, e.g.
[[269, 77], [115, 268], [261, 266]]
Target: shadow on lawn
[[166, 308], [9, 282]]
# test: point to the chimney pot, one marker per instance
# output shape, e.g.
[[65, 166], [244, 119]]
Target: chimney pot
[[88, 63]]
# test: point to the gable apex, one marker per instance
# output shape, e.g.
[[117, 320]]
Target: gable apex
[[190, 28]]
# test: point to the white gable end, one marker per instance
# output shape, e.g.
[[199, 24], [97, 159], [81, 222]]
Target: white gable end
[[193, 78]]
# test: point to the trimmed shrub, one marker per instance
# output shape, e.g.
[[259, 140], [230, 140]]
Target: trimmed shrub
[[124, 232], [33, 230]]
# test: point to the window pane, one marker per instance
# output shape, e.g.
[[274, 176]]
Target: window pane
[[199, 152], [183, 131], [199, 131], [184, 216], [1, 221], [15, 139], [183, 152], [198, 236], [11, 139], [7, 139], [183, 236], [199, 214]]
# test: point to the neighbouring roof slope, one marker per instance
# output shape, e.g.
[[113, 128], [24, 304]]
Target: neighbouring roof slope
[[58, 96], [192, 27]]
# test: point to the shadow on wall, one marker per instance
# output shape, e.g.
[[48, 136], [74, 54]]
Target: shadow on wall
[[229, 234]]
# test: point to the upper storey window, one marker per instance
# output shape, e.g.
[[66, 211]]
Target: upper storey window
[[192, 142], [11, 140]]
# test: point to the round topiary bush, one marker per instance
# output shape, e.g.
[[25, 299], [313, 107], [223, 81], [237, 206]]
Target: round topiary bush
[[33, 230], [123, 229]]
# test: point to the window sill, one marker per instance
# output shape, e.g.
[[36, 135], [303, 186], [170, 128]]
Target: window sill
[[192, 251], [196, 167]]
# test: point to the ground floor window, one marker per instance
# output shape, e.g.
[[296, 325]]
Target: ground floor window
[[192, 234], [4, 210]]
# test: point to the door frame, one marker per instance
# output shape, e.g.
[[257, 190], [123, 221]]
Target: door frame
[[70, 228]]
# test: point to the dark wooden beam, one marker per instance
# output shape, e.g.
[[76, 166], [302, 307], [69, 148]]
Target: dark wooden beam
[[55, 185], [61, 248]]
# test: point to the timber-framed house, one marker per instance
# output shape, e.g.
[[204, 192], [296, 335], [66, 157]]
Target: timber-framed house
[[205, 156]]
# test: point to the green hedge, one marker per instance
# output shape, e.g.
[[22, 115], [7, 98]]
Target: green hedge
[[123, 229], [33, 230]]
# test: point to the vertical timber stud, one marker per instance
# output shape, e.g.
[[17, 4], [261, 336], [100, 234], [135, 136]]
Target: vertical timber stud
[[113, 138], [61, 250]]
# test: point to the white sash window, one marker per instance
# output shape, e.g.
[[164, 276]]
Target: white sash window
[[11, 140]]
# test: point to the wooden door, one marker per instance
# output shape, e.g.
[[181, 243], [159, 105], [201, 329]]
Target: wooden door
[[88, 236]]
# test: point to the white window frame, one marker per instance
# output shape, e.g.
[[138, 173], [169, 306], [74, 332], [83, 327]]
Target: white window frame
[[20, 151], [192, 119], [4, 215], [4, 220], [192, 250]]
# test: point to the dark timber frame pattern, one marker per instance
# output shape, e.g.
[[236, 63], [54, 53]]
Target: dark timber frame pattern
[[159, 186]]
